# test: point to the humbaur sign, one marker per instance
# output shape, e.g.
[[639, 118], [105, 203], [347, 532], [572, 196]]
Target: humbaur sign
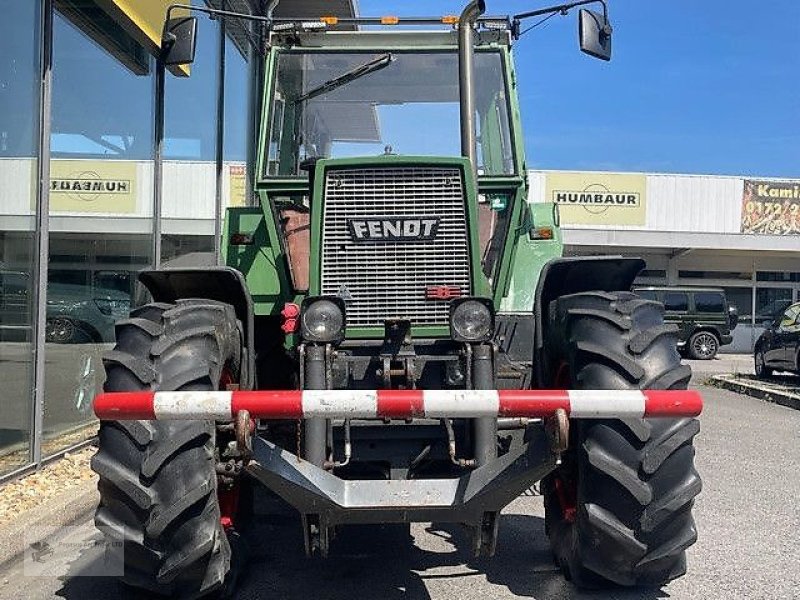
[[598, 198], [93, 186]]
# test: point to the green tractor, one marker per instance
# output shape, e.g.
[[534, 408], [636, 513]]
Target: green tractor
[[395, 336]]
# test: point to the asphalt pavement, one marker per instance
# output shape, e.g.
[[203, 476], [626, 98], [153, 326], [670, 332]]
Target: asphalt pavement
[[748, 517]]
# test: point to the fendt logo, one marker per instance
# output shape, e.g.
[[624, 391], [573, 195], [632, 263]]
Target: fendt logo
[[393, 229]]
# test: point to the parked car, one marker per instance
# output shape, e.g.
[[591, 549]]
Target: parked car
[[778, 348], [704, 318], [75, 313]]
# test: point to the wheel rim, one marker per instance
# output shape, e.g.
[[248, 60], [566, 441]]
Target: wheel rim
[[704, 345], [59, 330]]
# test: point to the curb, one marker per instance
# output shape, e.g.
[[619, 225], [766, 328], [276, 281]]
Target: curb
[[768, 394], [68, 508]]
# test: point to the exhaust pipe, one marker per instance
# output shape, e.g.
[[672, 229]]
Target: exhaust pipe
[[466, 79]]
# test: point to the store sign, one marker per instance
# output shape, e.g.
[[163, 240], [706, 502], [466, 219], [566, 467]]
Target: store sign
[[598, 198], [771, 207], [237, 185], [93, 186]]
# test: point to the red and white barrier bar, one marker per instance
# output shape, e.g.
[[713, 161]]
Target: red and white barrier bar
[[398, 404]]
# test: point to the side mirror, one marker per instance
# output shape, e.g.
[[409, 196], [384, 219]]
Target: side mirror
[[179, 40], [733, 316], [594, 33]]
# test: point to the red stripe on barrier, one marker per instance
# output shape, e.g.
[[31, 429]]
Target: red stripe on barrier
[[269, 404], [125, 406], [672, 403], [401, 404], [532, 403]]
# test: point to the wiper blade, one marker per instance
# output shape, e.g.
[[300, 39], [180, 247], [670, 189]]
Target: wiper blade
[[377, 64]]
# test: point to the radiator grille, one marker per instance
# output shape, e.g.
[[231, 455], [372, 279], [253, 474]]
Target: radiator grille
[[388, 280]]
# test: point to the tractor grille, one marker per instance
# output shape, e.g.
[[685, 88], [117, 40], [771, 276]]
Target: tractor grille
[[382, 280]]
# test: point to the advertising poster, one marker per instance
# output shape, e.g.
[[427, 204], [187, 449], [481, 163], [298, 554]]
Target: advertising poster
[[237, 185], [93, 186], [771, 207], [598, 198]]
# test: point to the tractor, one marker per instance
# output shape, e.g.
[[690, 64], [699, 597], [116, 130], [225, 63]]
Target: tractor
[[393, 335]]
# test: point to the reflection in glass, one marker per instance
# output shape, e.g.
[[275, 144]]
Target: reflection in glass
[[19, 115], [100, 215]]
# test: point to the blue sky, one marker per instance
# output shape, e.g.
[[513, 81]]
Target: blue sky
[[693, 87]]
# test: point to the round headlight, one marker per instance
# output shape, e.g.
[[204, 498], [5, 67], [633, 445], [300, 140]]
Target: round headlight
[[322, 321], [472, 321]]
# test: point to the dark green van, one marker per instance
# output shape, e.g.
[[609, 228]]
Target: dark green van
[[703, 316]]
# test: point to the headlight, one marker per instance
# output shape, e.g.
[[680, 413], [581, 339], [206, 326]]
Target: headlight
[[322, 319], [471, 320]]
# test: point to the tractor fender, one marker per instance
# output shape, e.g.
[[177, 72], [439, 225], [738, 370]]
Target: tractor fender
[[223, 284], [572, 275]]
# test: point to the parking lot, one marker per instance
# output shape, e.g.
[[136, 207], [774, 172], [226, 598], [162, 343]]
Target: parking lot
[[747, 517]]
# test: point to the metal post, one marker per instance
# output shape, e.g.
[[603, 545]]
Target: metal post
[[316, 430], [220, 146], [158, 156], [485, 428], [42, 229], [466, 23]]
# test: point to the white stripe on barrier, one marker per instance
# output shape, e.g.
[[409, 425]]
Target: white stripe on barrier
[[591, 404], [192, 405], [461, 403], [345, 404]]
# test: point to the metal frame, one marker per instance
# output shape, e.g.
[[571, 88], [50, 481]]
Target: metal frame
[[42, 228], [220, 141]]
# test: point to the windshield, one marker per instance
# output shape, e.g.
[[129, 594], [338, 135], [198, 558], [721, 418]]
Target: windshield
[[346, 104]]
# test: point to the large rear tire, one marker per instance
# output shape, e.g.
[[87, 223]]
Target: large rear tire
[[158, 481], [619, 508]]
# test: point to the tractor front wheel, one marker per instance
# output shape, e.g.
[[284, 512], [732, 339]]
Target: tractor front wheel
[[619, 508], [158, 481]]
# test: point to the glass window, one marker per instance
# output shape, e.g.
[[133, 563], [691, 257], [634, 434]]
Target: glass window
[[676, 301], [778, 276], [19, 131], [770, 303], [347, 104], [100, 209], [190, 147], [742, 299], [709, 302], [647, 294], [715, 275]]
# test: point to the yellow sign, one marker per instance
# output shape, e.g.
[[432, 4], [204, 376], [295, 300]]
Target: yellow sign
[[93, 186], [237, 185], [598, 198]]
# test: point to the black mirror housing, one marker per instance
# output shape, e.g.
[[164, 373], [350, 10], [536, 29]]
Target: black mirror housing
[[179, 41], [594, 34]]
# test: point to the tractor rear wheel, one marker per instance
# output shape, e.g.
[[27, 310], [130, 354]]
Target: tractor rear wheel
[[619, 508], [158, 481]]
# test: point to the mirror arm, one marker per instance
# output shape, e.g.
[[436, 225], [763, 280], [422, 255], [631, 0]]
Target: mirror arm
[[562, 8], [215, 12]]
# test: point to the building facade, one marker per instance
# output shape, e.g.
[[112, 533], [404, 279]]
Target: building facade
[[738, 233]]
